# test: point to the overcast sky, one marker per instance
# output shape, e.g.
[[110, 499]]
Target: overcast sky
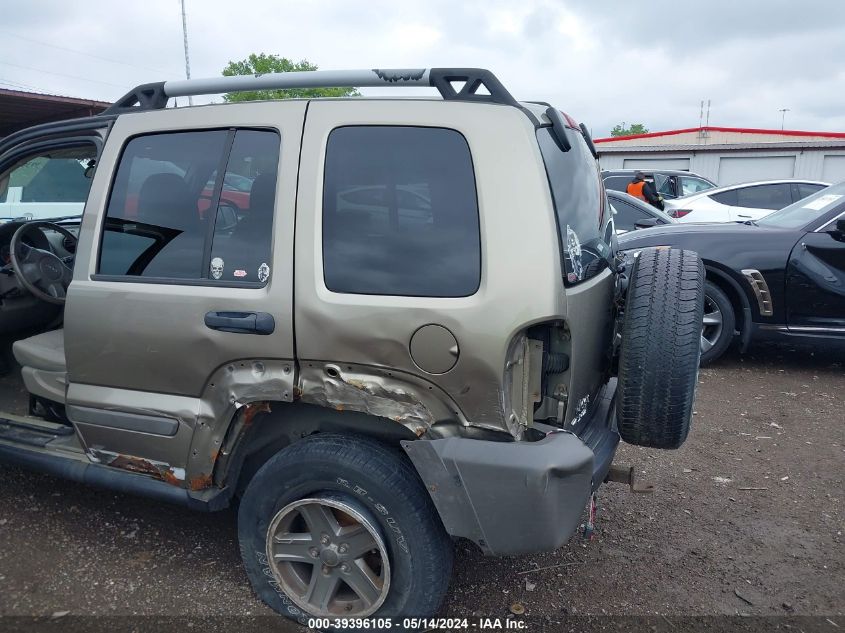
[[603, 62]]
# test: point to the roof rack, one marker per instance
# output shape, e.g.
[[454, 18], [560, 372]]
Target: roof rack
[[454, 84]]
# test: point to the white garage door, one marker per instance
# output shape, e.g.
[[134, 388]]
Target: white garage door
[[833, 169], [736, 169], [657, 163]]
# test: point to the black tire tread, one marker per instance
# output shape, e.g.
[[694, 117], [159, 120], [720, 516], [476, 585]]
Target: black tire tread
[[661, 348], [431, 547]]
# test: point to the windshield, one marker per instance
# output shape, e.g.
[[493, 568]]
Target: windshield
[[807, 210]]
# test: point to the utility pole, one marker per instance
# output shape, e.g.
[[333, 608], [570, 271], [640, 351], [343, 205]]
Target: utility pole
[[187, 58], [783, 112]]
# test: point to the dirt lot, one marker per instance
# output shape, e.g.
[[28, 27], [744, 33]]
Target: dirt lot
[[747, 518]]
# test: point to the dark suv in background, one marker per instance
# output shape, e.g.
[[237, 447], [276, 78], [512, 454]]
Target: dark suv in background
[[669, 183]]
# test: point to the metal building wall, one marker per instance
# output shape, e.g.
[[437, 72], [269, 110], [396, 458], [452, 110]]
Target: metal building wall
[[808, 164]]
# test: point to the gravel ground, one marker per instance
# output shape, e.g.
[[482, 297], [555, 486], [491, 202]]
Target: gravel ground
[[747, 518]]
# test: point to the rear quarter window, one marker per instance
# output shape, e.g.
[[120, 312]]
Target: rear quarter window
[[400, 214]]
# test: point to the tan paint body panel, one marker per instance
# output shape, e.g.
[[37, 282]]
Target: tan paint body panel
[[139, 340], [142, 349], [521, 279]]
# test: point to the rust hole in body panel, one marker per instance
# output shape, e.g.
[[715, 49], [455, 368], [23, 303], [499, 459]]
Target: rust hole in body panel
[[171, 478], [253, 409], [136, 465], [200, 482]]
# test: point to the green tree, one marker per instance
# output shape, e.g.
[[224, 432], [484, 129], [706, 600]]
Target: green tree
[[622, 130], [262, 63]]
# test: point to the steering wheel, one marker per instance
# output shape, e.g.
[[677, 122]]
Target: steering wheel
[[41, 272]]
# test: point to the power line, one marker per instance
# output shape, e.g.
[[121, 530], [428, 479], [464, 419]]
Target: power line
[[50, 72], [78, 52], [15, 84]]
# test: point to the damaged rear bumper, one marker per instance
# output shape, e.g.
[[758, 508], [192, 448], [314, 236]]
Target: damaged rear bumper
[[517, 497]]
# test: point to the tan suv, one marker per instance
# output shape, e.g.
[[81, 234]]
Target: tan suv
[[408, 324]]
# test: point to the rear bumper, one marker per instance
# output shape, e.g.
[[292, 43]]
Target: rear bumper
[[518, 497]]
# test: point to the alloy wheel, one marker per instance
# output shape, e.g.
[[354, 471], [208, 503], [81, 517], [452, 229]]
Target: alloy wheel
[[711, 325], [329, 557]]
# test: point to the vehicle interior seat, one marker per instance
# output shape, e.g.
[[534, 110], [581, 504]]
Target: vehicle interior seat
[[43, 366], [249, 244], [255, 226], [165, 200]]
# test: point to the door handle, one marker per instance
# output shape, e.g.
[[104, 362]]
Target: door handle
[[241, 322]]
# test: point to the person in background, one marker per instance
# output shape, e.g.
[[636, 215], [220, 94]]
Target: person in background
[[640, 188]]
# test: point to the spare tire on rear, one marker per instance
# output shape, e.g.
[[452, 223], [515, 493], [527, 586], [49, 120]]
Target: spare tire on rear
[[661, 347]]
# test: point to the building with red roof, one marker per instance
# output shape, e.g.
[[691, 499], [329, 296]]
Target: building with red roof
[[729, 155]]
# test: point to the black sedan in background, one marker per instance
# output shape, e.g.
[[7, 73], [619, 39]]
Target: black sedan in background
[[783, 273], [631, 213]]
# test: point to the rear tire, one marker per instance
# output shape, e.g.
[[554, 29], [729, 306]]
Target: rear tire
[[363, 489], [661, 348]]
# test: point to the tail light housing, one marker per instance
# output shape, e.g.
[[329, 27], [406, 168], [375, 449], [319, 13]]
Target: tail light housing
[[679, 213]]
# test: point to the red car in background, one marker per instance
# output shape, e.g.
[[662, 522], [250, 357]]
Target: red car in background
[[235, 194]]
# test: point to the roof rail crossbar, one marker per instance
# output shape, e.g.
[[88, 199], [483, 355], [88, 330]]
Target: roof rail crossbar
[[155, 96]]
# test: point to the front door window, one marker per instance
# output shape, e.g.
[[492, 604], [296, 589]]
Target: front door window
[[50, 184]]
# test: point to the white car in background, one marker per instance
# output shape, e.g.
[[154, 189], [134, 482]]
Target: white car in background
[[742, 202]]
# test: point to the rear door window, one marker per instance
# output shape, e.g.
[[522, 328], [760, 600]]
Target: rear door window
[[400, 214], [801, 190], [159, 223], [665, 185], [773, 197]]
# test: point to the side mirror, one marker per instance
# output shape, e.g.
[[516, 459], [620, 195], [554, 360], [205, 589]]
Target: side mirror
[[89, 169], [645, 223], [227, 219], [840, 225]]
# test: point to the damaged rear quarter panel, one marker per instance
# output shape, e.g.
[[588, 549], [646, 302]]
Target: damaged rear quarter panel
[[398, 396]]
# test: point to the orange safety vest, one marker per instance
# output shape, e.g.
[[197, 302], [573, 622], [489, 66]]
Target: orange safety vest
[[636, 189]]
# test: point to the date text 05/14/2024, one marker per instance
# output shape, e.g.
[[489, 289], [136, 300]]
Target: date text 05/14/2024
[[425, 624]]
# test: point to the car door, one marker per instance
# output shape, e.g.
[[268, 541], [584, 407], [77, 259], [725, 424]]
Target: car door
[[44, 171], [175, 319], [757, 201], [815, 281]]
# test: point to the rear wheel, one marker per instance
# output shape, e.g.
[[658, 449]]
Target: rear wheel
[[341, 526], [717, 323], [658, 363]]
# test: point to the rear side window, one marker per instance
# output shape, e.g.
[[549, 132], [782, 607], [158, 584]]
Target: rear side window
[[801, 190], [400, 213], [579, 201], [725, 197], [764, 197], [617, 183], [159, 221]]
